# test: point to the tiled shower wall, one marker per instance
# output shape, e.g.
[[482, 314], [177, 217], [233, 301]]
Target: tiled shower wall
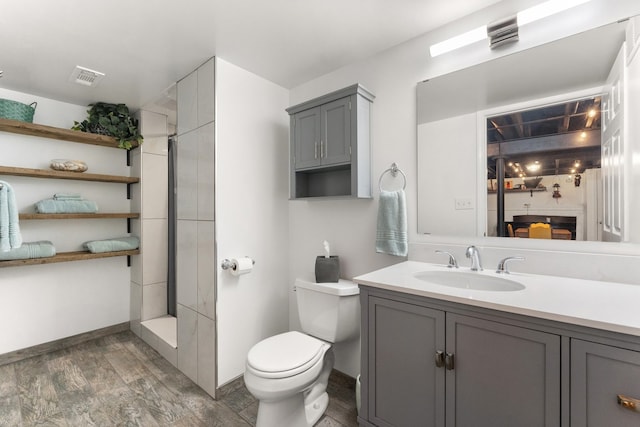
[[195, 233], [149, 270]]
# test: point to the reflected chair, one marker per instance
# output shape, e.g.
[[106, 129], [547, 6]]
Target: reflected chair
[[540, 230], [510, 230]]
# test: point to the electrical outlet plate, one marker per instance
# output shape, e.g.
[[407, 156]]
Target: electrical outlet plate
[[463, 204]]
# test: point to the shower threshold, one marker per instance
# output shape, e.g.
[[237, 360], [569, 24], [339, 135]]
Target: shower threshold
[[165, 328]]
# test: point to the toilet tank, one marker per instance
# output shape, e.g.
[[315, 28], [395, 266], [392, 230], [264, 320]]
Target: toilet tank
[[329, 311]]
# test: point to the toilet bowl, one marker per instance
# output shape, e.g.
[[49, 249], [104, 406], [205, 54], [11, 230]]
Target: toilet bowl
[[288, 373]]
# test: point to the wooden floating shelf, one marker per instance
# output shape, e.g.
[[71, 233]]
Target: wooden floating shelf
[[67, 257], [518, 190], [79, 176], [23, 128], [27, 216]]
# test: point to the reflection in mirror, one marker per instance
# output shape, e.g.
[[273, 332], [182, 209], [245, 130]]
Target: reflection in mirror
[[531, 154], [466, 120]]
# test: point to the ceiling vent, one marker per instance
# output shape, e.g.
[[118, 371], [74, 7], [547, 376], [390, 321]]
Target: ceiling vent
[[503, 32], [85, 76]]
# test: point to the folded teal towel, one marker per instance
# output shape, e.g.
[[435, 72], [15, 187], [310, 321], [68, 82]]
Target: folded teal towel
[[67, 196], [28, 250], [112, 245], [10, 237], [66, 206], [391, 235]]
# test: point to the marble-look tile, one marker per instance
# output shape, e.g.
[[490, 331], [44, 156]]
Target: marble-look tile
[[206, 92], [187, 176], [163, 405], [206, 269], [206, 172], [187, 263], [154, 253], [119, 380], [207, 354], [168, 352], [187, 97], [68, 379], [7, 381], [188, 342], [154, 300], [10, 411], [239, 399], [103, 378], [38, 399], [127, 365], [155, 172], [135, 304]]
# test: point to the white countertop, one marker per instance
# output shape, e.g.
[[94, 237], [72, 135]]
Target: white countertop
[[603, 305]]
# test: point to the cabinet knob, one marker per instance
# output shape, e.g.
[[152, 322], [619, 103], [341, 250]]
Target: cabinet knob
[[629, 403], [439, 358], [315, 150], [448, 361]]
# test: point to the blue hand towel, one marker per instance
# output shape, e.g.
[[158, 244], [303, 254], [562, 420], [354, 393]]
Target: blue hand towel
[[10, 236], [111, 245], [52, 206], [391, 236], [67, 196], [28, 250]]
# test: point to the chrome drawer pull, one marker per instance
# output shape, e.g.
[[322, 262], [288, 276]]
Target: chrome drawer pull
[[439, 359], [629, 403]]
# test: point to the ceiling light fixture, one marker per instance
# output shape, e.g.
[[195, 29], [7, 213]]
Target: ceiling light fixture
[[504, 30]]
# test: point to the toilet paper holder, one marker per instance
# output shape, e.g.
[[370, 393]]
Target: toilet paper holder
[[229, 264]]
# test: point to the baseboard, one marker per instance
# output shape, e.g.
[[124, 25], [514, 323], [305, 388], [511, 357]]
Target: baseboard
[[60, 344]]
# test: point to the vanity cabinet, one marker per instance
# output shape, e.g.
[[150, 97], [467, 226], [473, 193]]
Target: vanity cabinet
[[605, 385], [429, 367], [329, 144]]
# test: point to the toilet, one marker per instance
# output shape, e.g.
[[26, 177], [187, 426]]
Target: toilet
[[288, 373]]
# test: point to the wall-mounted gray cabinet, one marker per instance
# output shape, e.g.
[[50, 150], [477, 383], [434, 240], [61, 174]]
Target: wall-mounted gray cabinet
[[430, 367], [329, 143]]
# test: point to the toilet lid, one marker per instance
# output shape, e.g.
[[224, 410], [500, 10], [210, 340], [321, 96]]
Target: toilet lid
[[286, 354]]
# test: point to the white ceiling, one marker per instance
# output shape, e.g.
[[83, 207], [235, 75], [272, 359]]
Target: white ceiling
[[144, 47]]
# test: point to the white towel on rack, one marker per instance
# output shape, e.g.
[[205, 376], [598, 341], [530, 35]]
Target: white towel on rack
[[10, 237], [391, 235]]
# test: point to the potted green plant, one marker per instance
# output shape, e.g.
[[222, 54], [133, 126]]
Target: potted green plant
[[113, 120]]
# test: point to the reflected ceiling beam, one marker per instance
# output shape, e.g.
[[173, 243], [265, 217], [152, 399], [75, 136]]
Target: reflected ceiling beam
[[567, 141]]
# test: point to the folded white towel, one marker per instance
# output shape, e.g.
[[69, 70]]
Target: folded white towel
[[391, 235], [10, 236]]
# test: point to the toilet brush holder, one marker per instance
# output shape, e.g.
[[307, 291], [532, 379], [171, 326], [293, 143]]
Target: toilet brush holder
[[327, 269]]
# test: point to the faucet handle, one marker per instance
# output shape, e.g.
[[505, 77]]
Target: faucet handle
[[452, 260], [502, 265]]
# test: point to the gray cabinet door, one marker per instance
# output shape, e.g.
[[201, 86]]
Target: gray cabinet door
[[336, 132], [503, 375], [599, 373], [405, 387], [307, 138]]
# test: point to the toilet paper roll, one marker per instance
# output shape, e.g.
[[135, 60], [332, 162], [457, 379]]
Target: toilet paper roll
[[241, 266]]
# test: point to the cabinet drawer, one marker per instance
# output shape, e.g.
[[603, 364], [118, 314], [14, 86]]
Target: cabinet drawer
[[599, 373]]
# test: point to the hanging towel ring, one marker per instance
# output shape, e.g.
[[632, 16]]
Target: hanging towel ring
[[393, 170]]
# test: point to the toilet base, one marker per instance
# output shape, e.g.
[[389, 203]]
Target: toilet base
[[288, 412], [315, 409]]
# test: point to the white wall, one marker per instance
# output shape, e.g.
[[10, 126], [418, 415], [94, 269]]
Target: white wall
[[392, 77], [252, 161], [53, 301]]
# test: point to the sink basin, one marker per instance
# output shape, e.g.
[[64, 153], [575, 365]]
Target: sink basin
[[474, 281]]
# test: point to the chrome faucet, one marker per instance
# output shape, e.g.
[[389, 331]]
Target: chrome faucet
[[474, 254], [502, 265], [452, 260]]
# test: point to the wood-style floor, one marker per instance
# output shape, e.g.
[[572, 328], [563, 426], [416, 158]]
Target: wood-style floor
[[119, 380]]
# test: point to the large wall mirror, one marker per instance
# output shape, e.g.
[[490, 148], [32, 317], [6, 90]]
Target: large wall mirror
[[530, 140]]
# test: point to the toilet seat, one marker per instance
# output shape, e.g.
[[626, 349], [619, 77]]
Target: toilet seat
[[285, 355]]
